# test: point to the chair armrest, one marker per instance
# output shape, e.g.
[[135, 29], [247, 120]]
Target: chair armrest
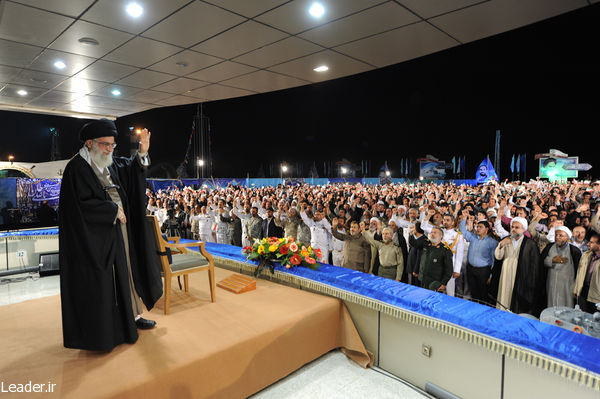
[[176, 239], [186, 245]]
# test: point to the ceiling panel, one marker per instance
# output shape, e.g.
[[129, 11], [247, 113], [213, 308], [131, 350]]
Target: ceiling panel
[[17, 54], [60, 96], [141, 52], [264, 81], [149, 96], [111, 13], [184, 47], [106, 71], [222, 71], [219, 92], [279, 52], [42, 103], [498, 16], [146, 79], [74, 63], [125, 91], [8, 73], [181, 85], [239, 40], [29, 25], [189, 61], [398, 45], [108, 39], [72, 8], [374, 20], [178, 100], [431, 8], [105, 102], [194, 23], [38, 79], [293, 17], [83, 108], [248, 8], [11, 90], [81, 86], [339, 65]]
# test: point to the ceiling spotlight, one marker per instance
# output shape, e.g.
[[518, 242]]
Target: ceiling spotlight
[[321, 68], [90, 41], [60, 65], [22, 92], [316, 10], [115, 92], [134, 10]]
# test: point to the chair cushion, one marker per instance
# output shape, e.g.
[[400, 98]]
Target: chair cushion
[[187, 261]]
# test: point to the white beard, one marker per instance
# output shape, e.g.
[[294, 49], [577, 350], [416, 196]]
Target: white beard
[[101, 160]]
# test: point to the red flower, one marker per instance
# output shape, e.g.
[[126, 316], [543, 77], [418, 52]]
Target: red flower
[[318, 253], [310, 260], [247, 250], [294, 247], [295, 260], [283, 249]]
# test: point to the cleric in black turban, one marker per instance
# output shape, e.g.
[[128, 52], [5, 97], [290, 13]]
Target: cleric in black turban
[[106, 263]]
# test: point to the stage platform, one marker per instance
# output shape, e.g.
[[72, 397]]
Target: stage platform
[[228, 349]]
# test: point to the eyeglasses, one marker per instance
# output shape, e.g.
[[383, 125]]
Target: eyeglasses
[[106, 144]]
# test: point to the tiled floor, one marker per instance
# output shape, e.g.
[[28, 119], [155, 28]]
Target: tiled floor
[[331, 376], [22, 287]]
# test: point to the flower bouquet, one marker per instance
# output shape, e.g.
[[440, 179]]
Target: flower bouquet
[[284, 250]]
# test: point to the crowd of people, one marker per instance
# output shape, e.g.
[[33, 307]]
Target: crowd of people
[[518, 246]]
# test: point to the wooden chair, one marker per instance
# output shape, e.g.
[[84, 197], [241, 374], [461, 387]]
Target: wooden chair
[[183, 261]]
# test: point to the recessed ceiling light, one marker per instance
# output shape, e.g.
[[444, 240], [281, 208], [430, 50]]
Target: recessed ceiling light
[[134, 10], [321, 68], [89, 41], [60, 65], [316, 10], [115, 92], [22, 92], [38, 80]]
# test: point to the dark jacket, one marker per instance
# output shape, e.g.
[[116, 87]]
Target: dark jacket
[[436, 265], [414, 255], [270, 229]]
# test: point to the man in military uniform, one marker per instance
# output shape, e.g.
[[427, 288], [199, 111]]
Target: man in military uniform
[[254, 226], [454, 241], [436, 262]]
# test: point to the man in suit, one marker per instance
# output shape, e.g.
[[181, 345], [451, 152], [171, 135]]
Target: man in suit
[[269, 228]]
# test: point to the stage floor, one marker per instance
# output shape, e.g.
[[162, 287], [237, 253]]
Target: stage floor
[[231, 348]]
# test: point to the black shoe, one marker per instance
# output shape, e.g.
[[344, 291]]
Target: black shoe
[[144, 324]]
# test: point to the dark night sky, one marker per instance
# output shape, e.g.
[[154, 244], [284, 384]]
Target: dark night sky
[[539, 85]]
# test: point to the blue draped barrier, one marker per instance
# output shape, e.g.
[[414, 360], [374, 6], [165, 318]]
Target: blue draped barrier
[[577, 349]]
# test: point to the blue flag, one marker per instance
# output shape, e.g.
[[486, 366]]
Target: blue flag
[[485, 171], [524, 163], [453, 164], [512, 164], [518, 163]]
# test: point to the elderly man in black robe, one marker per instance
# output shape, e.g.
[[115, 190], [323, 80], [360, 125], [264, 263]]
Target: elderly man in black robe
[[106, 261]]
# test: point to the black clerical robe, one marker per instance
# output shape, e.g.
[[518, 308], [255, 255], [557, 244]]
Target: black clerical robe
[[95, 295], [527, 291]]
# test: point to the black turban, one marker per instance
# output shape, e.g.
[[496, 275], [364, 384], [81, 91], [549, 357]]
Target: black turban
[[99, 128]]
